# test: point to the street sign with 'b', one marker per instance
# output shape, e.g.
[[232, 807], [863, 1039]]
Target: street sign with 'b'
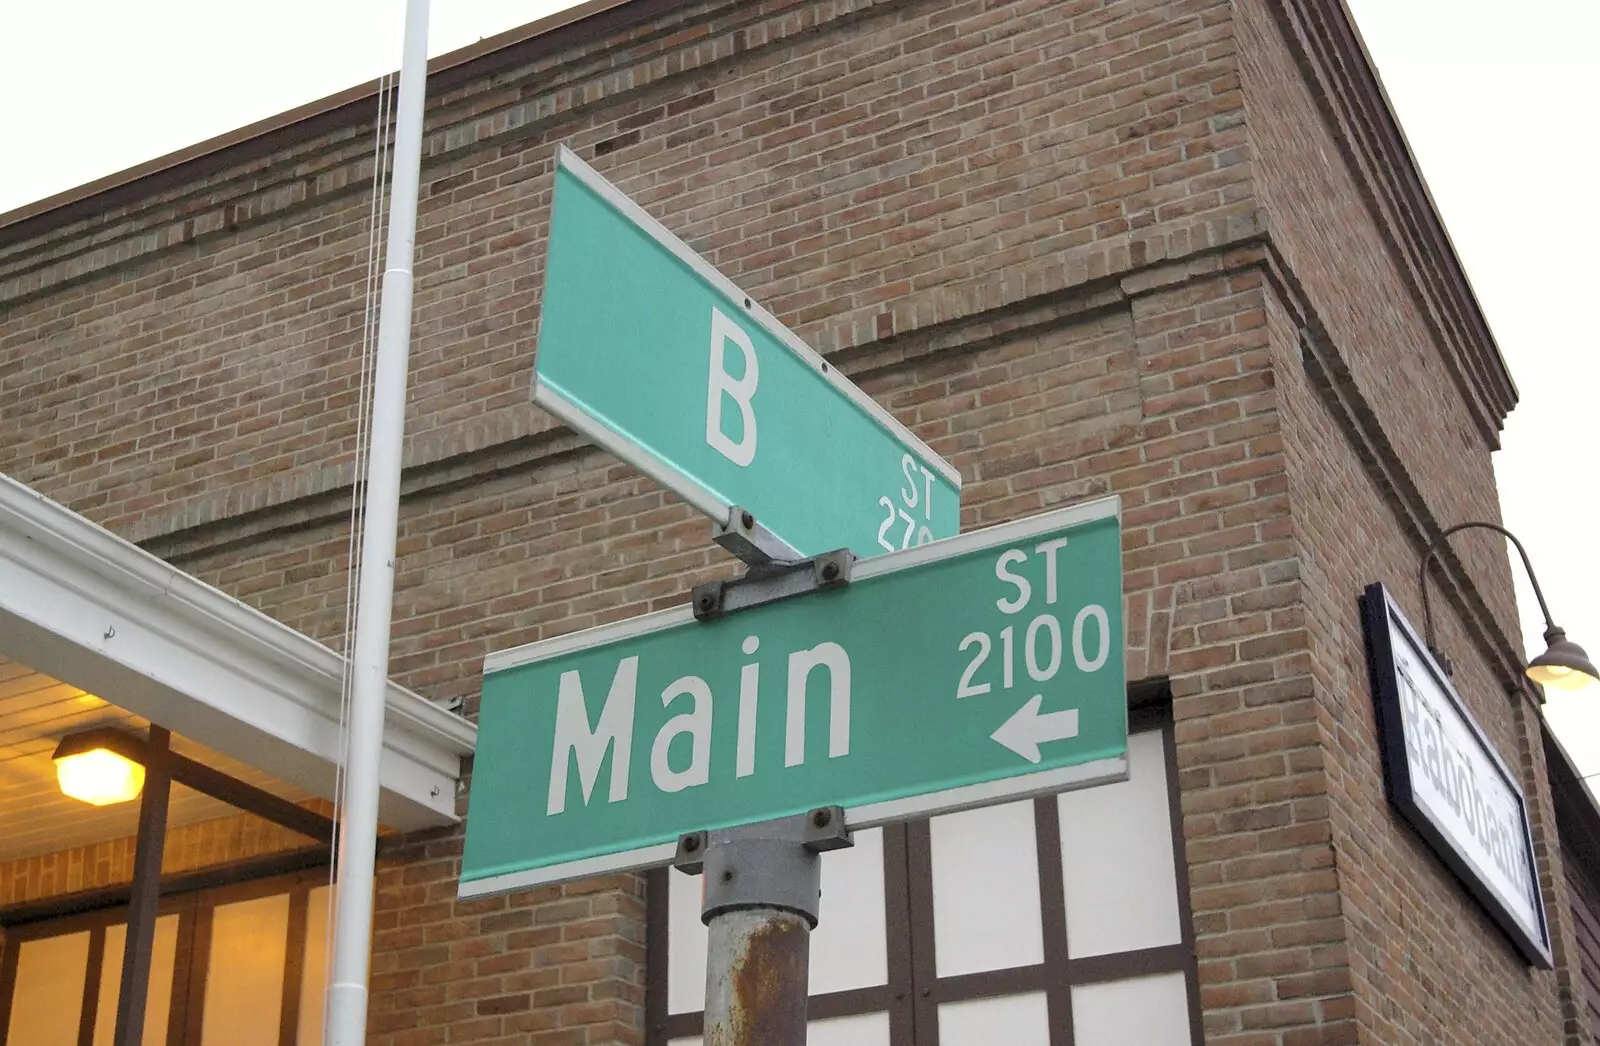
[[653, 354]]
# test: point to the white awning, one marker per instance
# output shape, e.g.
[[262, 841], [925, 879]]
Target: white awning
[[96, 612]]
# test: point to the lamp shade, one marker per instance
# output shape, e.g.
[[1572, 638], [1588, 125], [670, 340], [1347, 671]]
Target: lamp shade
[[99, 777], [1563, 665]]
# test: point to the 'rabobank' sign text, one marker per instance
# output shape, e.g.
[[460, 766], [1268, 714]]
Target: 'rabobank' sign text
[[1446, 778]]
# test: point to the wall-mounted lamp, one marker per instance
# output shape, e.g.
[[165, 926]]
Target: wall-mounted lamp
[[92, 771], [1563, 665]]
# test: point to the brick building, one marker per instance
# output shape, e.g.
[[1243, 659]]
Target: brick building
[[1172, 251]]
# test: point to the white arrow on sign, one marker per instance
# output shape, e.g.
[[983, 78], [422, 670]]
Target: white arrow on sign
[[1025, 731]]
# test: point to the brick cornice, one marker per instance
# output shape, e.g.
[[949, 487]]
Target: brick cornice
[[992, 305], [325, 151], [595, 26], [969, 322], [1323, 37], [594, 52]]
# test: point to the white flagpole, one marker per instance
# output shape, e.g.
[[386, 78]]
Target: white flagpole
[[358, 830]]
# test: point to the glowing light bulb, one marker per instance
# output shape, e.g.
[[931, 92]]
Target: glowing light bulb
[[99, 777], [1560, 677]]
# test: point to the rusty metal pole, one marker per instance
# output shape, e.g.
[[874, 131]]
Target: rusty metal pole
[[762, 892], [756, 982]]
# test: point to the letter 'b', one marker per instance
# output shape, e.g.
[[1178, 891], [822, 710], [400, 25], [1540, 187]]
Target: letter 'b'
[[741, 390]]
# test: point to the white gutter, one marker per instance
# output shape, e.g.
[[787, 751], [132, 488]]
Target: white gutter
[[82, 605]]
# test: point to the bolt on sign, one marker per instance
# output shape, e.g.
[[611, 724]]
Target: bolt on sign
[[653, 354], [962, 673]]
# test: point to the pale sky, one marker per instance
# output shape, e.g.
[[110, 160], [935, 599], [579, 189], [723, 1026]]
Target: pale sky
[[1498, 101]]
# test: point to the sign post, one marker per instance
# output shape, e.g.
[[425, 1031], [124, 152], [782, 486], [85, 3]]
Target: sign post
[[763, 885], [659, 358], [971, 671]]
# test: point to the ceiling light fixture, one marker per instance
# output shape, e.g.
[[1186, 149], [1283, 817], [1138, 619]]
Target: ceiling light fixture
[[89, 771]]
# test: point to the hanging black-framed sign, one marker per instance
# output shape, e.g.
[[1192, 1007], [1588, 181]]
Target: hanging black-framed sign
[[1447, 780]]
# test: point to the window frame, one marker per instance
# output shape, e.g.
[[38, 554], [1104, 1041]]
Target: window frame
[[913, 991], [194, 906]]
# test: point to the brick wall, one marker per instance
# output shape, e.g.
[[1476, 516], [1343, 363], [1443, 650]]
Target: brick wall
[[559, 964], [222, 840], [1421, 950], [1387, 334], [1255, 821], [1043, 236], [1386, 452], [1578, 853]]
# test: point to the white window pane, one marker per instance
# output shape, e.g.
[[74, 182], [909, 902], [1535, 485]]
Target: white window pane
[[865, 1029], [986, 890], [686, 945], [47, 1000], [312, 980], [244, 981], [1116, 858], [1015, 1020], [847, 947], [158, 1001], [1151, 1011]]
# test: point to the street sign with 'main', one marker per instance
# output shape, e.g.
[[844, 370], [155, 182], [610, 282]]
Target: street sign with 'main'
[[966, 672]]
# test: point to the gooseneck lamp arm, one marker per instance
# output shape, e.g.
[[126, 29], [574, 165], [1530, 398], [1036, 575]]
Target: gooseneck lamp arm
[[1433, 550], [1564, 665]]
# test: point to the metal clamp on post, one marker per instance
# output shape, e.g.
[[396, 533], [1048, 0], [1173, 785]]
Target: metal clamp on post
[[772, 582], [760, 902], [772, 864]]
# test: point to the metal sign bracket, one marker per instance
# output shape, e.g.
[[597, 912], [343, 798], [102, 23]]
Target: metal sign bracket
[[767, 577], [818, 831], [745, 537]]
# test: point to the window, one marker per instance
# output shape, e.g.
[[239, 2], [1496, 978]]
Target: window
[[240, 965], [1060, 921]]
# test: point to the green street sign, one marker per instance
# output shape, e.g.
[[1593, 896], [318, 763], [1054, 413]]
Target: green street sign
[[654, 355], [970, 671]]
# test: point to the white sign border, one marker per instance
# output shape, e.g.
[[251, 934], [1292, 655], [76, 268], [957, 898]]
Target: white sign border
[[1381, 615], [869, 815], [858, 818]]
